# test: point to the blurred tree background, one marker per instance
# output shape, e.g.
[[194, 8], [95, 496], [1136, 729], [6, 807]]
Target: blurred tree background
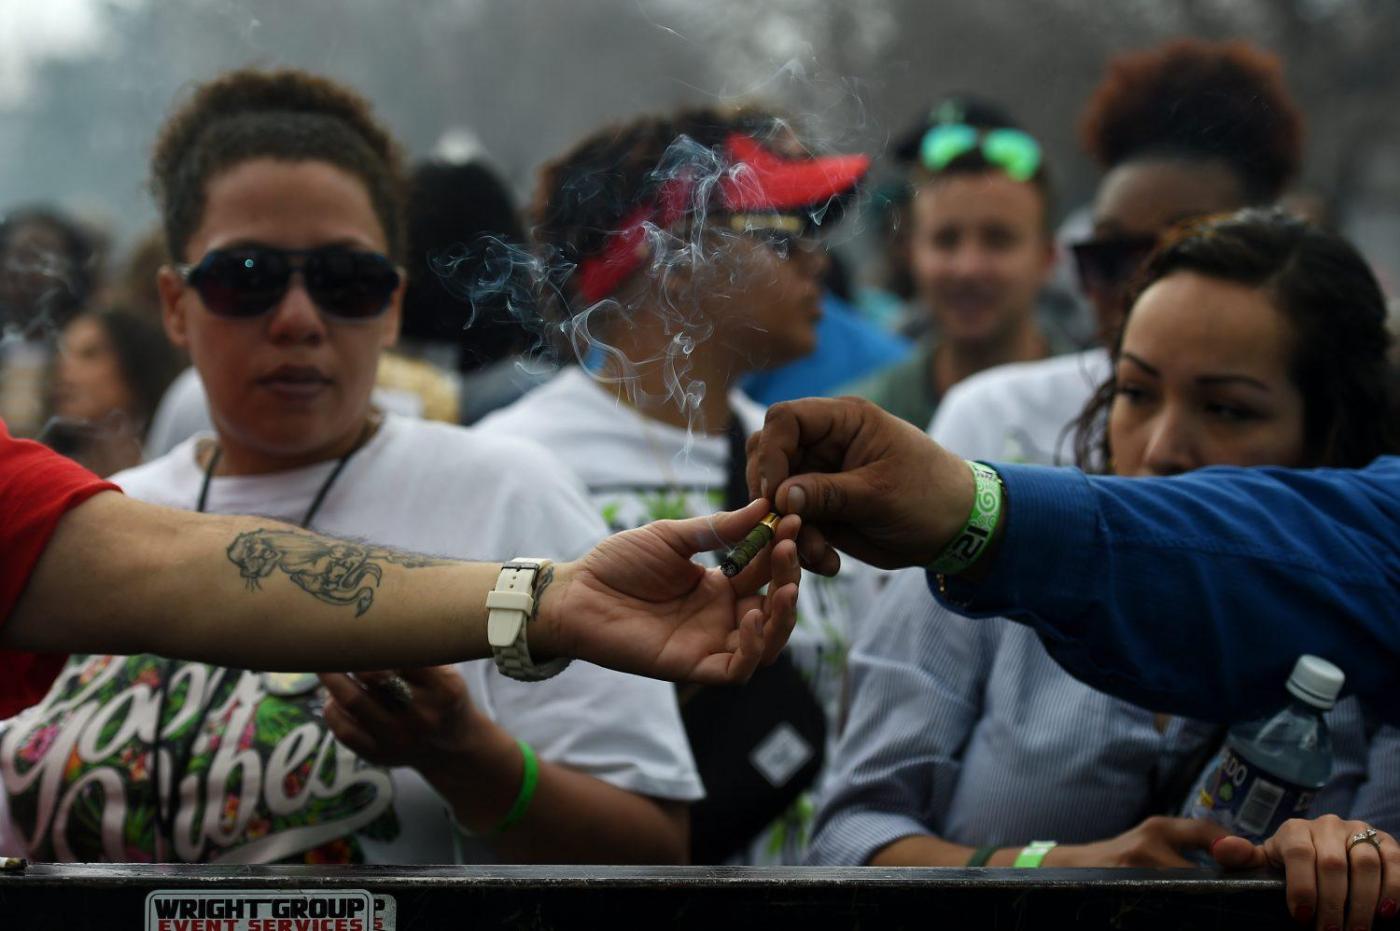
[[520, 80]]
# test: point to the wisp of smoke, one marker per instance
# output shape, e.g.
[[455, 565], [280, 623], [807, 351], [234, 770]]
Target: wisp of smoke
[[35, 294], [714, 269]]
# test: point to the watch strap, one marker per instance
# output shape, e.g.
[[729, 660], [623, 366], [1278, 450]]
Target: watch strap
[[510, 608]]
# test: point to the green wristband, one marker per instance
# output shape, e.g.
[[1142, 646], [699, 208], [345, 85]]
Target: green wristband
[[1033, 853], [971, 542], [528, 782], [981, 855]]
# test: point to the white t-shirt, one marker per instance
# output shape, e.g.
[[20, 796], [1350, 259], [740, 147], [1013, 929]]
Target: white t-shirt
[[1019, 412], [639, 470], [415, 485]]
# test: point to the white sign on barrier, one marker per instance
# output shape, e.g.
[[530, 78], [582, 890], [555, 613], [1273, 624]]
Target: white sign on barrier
[[269, 910]]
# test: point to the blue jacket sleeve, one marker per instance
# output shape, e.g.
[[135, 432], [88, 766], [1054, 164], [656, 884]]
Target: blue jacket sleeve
[[1195, 594]]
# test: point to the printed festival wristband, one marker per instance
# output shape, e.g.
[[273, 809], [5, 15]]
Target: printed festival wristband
[[1031, 855], [971, 542]]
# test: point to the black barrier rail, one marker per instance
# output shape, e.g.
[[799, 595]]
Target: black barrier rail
[[78, 897]]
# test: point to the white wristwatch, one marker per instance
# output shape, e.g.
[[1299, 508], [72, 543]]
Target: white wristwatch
[[510, 605]]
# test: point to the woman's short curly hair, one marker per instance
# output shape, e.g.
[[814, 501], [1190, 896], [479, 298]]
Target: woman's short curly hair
[[1195, 98], [284, 114]]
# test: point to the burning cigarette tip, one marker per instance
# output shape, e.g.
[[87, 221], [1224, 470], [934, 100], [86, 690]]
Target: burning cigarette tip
[[753, 544]]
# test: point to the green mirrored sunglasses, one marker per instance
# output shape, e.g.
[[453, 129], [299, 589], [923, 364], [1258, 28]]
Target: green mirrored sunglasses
[[1011, 150]]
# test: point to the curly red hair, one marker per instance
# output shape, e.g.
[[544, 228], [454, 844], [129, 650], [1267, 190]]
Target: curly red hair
[[1199, 99]]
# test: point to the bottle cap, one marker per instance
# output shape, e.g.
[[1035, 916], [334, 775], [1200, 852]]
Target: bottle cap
[[1316, 682]]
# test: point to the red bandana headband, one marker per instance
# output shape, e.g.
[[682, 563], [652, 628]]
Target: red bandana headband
[[757, 181]]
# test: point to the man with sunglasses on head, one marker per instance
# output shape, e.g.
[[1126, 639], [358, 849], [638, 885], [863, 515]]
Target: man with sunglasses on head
[[1183, 130], [980, 251]]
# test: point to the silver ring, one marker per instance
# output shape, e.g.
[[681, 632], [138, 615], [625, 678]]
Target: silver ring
[[1368, 836], [394, 691]]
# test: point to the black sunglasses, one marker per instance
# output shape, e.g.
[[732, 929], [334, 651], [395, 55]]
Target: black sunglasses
[[1107, 264], [248, 282]]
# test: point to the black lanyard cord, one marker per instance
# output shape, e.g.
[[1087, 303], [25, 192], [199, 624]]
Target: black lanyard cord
[[316, 500]]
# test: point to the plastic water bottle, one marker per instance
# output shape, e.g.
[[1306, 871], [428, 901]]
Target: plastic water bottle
[[1269, 770]]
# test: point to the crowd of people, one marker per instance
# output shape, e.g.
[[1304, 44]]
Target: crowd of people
[[363, 346]]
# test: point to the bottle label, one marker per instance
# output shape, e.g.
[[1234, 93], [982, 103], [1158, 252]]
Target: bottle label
[[1247, 800]]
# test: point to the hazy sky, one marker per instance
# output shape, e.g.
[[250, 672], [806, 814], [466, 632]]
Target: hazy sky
[[33, 29], [526, 78]]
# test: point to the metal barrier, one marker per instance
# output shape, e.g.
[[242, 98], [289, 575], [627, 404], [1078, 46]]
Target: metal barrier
[[78, 897]]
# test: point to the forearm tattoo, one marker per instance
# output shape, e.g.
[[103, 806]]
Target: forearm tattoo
[[337, 572], [546, 578]]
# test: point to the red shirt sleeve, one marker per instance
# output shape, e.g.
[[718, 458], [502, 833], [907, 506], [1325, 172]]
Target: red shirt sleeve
[[37, 487]]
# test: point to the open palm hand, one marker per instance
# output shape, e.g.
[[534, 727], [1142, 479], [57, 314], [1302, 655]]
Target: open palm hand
[[638, 603]]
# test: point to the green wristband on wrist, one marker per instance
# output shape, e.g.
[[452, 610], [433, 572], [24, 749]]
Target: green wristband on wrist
[[1031, 855], [529, 781], [971, 542], [981, 855]]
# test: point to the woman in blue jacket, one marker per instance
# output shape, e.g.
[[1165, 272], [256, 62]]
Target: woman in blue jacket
[[1254, 340]]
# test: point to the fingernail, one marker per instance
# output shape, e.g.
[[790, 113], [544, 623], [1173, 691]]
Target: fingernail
[[797, 499], [1216, 842], [1388, 908], [763, 486], [1304, 913]]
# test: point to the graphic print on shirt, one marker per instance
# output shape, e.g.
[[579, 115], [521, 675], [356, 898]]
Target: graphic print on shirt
[[263, 779], [818, 645]]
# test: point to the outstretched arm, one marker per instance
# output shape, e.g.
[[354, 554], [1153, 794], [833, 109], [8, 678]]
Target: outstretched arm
[[1196, 594], [122, 576], [1192, 594]]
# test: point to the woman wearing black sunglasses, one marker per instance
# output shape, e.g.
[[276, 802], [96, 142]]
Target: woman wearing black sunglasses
[[282, 204], [1183, 130]]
